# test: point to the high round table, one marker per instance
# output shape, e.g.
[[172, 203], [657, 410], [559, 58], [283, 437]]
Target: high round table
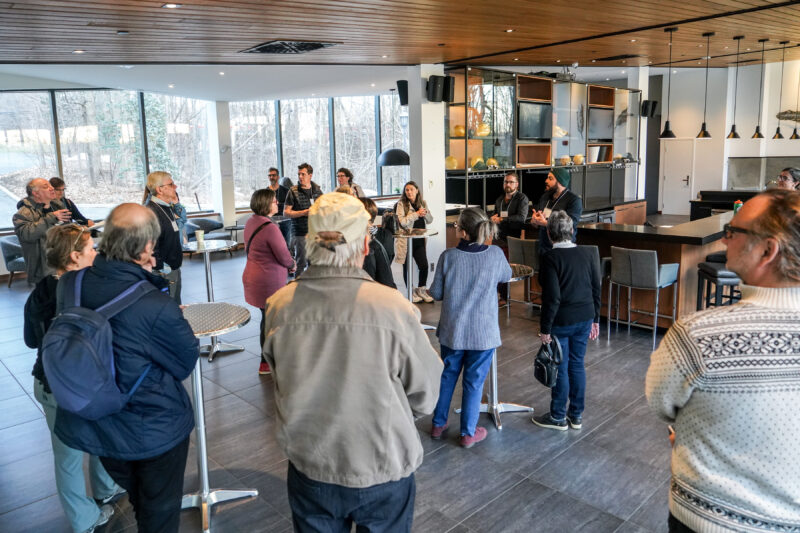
[[416, 233], [208, 320], [206, 248], [518, 273]]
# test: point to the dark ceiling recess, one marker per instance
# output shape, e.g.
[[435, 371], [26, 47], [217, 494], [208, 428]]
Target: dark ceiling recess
[[618, 58], [287, 47]]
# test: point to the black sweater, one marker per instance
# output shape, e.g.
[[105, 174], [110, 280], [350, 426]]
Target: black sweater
[[570, 280], [169, 248], [569, 202]]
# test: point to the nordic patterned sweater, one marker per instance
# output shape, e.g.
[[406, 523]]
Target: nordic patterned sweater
[[730, 379]]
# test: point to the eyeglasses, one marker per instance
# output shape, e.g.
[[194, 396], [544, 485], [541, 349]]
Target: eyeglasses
[[785, 178], [80, 234], [60, 189], [730, 230], [512, 181]]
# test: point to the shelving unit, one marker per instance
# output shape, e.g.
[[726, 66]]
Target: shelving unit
[[534, 150], [533, 155]]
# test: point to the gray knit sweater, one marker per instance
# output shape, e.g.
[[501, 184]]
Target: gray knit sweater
[[730, 379], [466, 282]]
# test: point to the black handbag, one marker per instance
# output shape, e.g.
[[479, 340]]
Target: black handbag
[[545, 366]]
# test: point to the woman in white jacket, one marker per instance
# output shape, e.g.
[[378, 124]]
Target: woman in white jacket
[[412, 213]]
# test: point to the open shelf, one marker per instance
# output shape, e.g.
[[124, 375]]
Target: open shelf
[[537, 89], [533, 155], [599, 152], [601, 96]]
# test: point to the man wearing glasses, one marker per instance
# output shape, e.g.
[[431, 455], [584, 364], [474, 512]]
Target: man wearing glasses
[[60, 189], [168, 251], [728, 379], [510, 212]]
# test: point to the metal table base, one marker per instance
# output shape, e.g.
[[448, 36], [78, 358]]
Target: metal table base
[[409, 264]]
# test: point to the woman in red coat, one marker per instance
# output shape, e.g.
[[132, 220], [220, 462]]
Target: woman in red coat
[[268, 259]]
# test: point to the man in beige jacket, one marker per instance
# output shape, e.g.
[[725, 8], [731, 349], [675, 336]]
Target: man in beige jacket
[[352, 368]]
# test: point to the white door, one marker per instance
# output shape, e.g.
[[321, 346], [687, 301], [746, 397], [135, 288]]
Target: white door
[[677, 167]]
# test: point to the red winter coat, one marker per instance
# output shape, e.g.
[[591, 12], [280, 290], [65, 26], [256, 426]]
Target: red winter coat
[[268, 261]]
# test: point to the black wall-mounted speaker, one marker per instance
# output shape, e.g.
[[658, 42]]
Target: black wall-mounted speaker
[[649, 108], [449, 92], [653, 108], [402, 91], [435, 91]]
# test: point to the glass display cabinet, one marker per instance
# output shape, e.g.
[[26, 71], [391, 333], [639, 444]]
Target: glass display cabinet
[[569, 123]]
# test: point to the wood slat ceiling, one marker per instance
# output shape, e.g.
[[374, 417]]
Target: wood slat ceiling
[[409, 32]]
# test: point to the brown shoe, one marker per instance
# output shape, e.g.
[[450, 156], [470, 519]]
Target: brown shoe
[[469, 442], [436, 431]]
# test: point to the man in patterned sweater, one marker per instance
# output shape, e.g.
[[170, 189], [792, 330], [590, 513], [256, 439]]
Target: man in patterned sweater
[[729, 380]]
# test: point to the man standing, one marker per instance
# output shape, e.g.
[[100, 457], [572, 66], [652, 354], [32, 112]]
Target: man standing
[[37, 213], [728, 379], [280, 190], [556, 197], [169, 247], [60, 189], [510, 209], [143, 446], [352, 368], [298, 201]]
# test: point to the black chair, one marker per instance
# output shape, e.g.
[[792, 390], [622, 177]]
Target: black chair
[[12, 256], [714, 273]]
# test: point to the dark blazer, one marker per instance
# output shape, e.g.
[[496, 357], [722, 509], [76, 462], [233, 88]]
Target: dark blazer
[[517, 208], [168, 248], [569, 202], [77, 216], [153, 330]]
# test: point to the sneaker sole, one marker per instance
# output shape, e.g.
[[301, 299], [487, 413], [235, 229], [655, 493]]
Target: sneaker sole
[[260, 373], [550, 426], [575, 426]]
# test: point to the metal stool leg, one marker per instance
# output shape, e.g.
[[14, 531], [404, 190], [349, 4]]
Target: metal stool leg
[[629, 310], [608, 312], [655, 319]]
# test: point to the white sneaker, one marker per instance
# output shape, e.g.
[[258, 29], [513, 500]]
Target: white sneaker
[[106, 512], [423, 292], [415, 296]]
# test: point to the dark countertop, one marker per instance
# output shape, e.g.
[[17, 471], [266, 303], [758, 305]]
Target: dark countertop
[[696, 232]]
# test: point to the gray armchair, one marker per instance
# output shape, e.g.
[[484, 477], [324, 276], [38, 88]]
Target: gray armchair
[[12, 255]]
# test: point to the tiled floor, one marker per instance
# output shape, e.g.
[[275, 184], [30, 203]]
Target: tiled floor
[[610, 476]]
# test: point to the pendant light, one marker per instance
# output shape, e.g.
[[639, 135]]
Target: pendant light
[[778, 134], [393, 157], [667, 133], [795, 135], [757, 134], [733, 134], [703, 131]]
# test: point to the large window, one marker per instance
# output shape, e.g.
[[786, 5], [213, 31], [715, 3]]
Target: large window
[[101, 148], [305, 139], [394, 134], [27, 150], [253, 145], [354, 118], [177, 141]]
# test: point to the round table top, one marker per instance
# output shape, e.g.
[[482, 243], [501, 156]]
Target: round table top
[[417, 233], [215, 318], [209, 246], [520, 272], [237, 227]]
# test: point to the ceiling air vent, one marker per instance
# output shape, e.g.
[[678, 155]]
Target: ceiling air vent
[[618, 58], [287, 47]]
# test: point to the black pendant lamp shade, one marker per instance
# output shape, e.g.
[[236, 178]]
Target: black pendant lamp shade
[[704, 134], [667, 133], [795, 135], [758, 134], [778, 134], [734, 134], [393, 157]]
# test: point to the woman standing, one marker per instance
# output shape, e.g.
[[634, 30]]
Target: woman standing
[[68, 247], [412, 213], [268, 259], [466, 281], [570, 280], [344, 177]]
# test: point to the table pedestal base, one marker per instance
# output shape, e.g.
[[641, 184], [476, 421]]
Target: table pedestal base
[[218, 347], [205, 502]]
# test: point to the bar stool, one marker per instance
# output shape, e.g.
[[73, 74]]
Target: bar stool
[[712, 272], [639, 269], [524, 252]]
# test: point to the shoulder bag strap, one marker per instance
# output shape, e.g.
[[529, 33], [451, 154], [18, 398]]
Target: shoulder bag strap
[[126, 298], [250, 240]]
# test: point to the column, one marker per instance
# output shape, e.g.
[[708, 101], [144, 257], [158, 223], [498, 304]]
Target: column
[[221, 160], [639, 78]]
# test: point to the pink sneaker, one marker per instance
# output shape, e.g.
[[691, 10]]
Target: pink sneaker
[[264, 369], [469, 442], [436, 431]]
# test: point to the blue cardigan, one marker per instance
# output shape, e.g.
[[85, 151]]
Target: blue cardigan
[[466, 282]]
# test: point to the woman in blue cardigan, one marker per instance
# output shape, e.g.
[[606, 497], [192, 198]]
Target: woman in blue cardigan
[[466, 281]]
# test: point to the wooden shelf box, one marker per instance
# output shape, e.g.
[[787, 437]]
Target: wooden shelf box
[[531, 88], [533, 155]]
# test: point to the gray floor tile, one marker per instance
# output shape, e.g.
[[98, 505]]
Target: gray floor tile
[[26, 481], [18, 410], [24, 440], [38, 516]]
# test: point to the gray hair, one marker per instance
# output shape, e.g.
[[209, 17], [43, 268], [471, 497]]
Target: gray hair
[[794, 172], [125, 238], [478, 227], [559, 226], [30, 187], [335, 252], [156, 179]]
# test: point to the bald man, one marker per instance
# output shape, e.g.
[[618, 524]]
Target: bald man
[[144, 446], [38, 212]]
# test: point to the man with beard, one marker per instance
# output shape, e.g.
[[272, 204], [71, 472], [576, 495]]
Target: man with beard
[[510, 212], [556, 197]]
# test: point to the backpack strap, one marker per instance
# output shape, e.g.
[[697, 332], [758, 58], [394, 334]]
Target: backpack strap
[[124, 300], [250, 240]]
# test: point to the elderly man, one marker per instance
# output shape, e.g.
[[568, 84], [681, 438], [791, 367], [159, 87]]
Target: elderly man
[[729, 380], [144, 446], [298, 201], [352, 368], [37, 213], [168, 250], [556, 197]]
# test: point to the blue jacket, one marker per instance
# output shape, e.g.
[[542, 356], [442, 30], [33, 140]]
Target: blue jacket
[[153, 330]]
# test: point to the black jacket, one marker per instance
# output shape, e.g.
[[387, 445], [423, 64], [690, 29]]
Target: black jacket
[[169, 248], [378, 264], [77, 216], [153, 330], [40, 308], [569, 202], [570, 280], [517, 208]]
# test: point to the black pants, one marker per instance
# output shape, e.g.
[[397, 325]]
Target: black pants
[[421, 259], [676, 526], [261, 334], [317, 506], [155, 487]]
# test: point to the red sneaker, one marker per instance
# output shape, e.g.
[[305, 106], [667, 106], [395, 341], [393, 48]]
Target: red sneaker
[[264, 369], [469, 442], [436, 431]]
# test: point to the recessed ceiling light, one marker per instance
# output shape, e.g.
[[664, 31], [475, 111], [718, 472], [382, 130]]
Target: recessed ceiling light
[[624, 61], [650, 62], [623, 72], [171, 85], [313, 94], [699, 62], [372, 85], [674, 71], [516, 59], [633, 40], [126, 67], [79, 51], [748, 49], [509, 30], [221, 73], [699, 46], [122, 32], [171, 6], [608, 79], [558, 61], [384, 57], [726, 48], [594, 61]]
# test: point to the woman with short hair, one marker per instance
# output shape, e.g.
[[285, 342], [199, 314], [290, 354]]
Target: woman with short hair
[[268, 259], [344, 177]]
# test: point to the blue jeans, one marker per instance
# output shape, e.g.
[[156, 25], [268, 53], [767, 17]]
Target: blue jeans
[[329, 508], [476, 365], [82, 511], [571, 379]]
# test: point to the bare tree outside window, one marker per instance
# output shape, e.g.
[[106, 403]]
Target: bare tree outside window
[[253, 147], [394, 134], [305, 138], [356, 149], [27, 149]]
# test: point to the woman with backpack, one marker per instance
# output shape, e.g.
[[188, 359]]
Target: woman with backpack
[[68, 247], [466, 281], [268, 259], [412, 213]]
